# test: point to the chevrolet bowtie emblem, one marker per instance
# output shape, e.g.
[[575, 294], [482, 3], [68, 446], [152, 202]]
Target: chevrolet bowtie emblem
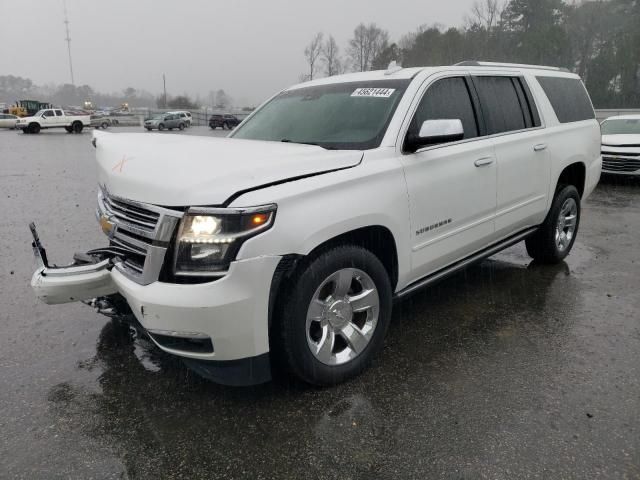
[[108, 227]]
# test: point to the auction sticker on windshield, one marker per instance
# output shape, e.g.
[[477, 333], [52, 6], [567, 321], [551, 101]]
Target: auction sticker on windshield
[[373, 92]]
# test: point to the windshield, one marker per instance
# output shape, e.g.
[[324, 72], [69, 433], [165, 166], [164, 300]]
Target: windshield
[[39, 113], [621, 126], [351, 116]]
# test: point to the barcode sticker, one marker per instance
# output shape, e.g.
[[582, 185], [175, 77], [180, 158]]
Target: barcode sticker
[[373, 92]]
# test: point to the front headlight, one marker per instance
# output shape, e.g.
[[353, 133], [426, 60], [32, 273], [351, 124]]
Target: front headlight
[[209, 238]]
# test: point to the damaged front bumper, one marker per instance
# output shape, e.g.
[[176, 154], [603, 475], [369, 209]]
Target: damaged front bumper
[[220, 328], [86, 278]]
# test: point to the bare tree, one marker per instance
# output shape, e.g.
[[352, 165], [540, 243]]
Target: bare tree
[[486, 14], [312, 52], [367, 43], [331, 57]]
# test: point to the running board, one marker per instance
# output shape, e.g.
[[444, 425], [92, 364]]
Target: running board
[[461, 264]]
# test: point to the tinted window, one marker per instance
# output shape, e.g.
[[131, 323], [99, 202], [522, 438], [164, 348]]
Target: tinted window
[[350, 115], [58, 113], [447, 99], [48, 113], [500, 104], [568, 98]]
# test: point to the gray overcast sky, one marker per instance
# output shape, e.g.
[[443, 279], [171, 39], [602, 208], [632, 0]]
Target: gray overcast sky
[[248, 48]]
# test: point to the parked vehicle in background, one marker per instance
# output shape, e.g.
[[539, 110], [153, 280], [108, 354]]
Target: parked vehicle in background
[[621, 145], [185, 115], [8, 121], [226, 122], [25, 108], [167, 121], [100, 121], [293, 235], [54, 118]]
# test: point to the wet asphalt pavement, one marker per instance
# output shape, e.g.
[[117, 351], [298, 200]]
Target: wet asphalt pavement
[[505, 371]]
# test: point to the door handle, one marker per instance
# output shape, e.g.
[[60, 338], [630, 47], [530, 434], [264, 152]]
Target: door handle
[[539, 147], [483, 162]]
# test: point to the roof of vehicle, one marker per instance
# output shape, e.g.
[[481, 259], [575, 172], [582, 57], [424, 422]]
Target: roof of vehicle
[[408, 73]]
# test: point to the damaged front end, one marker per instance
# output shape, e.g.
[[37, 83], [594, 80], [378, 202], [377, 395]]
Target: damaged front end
[[87, 277]]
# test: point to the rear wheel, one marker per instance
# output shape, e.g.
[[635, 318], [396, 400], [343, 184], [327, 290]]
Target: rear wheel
[[77, 127], [555, 237], [334, 315], [104, 125]]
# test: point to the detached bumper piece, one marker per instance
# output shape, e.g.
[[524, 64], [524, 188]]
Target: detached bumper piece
[[88, 276]]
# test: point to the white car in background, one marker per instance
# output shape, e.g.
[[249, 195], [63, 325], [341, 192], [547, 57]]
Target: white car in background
[[8, 121], [621, 145]]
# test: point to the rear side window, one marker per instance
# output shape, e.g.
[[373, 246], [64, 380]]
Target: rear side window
[[447, 98], [568, 98], [501, 105]]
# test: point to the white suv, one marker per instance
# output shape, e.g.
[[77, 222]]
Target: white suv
[[293, 236]]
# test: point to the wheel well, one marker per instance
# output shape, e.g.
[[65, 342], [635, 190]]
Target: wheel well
[[375, 238], [575, 175]]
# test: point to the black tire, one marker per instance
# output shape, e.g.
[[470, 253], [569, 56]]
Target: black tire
[[34, 128], [104, 125], [77, 127], [290, 332], [543, 246], [161, 127], [68, 129], [181, 126]]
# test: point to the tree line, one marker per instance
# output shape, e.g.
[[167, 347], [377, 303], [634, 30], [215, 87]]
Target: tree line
[[598, 39], [14, 88]]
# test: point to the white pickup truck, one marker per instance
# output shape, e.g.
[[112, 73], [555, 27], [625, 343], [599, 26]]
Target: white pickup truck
[[290, 239], [54, 118]]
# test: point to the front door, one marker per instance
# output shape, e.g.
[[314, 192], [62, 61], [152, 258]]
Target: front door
[[451, 186]]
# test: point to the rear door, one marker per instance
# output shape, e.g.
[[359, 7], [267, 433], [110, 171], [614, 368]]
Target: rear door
[[451, 186], [524, 169]]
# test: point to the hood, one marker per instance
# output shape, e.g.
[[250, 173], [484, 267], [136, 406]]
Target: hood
[[621, 140], [181, 170]]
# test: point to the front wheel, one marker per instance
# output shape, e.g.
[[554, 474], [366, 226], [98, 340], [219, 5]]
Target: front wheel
[[104, 125], [334, 315], [181, 126], [555, 237], [161, 127]]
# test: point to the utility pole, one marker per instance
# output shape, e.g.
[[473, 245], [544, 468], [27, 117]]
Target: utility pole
[[164, 83], [68, 40]]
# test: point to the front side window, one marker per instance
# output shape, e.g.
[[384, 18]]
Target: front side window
[[351, 116], [48, 113], [500, 104], [447, 98]]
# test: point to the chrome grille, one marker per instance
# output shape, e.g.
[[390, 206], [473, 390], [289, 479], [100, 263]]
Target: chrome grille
[[620, 164], [140, 235]]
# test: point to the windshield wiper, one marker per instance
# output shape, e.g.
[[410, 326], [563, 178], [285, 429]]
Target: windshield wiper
[[286, 140]]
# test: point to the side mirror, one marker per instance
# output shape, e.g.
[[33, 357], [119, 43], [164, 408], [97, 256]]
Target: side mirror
[[435, 131]]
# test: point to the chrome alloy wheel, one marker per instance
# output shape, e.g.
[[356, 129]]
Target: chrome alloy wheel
[[342, 316], [566, 225]]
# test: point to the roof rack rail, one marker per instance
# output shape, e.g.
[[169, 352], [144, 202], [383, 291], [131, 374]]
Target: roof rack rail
[[476, 63]]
